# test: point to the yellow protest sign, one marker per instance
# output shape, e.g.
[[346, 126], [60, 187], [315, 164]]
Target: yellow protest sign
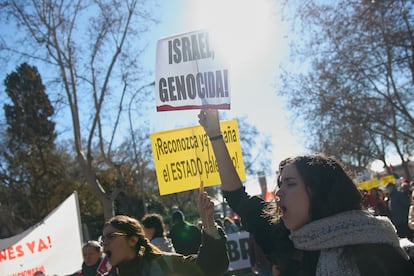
[[387, 179], [375, 183], [184, 157], [369, 184]]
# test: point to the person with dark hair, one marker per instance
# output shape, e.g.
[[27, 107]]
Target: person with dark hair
[[186, 237], [229, 226], [130, 253], [399, 205], [381, 206], [154, 229], [317, 226]]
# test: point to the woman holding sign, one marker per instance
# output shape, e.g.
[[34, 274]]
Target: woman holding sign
[[318, 226], [130, 253]]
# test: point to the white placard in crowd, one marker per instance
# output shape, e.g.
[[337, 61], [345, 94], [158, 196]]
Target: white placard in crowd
[[238, 249], [189, 74], [53, 246]]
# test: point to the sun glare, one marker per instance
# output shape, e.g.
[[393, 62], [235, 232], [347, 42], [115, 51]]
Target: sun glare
[[239, 30]]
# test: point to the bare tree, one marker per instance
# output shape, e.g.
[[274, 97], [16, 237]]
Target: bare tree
[[93, 46], [358, 76]]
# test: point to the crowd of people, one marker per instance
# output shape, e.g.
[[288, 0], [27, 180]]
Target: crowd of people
[[142, 247], [395, 202], [320, 224]]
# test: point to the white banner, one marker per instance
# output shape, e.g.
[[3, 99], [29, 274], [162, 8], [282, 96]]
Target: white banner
[[238, 249], [189, 75], [53, 246]]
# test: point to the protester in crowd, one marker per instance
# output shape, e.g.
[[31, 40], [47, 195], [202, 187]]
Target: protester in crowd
[[399, 204], [381, 208], [238, 223], [92, 257], [367, 200], [411, 214], [375, 202], [185, 236], [154, 229], [229, 226], [318, 226], [260, 265], [130, 253]]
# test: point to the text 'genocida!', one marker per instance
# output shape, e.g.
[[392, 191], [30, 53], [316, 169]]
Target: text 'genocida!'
[[208, 84]]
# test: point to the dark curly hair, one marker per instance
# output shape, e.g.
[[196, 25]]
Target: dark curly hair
[[330, 188]]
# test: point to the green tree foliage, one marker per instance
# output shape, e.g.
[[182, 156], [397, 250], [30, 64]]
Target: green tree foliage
[[28, 116], [36, 175], [353, 85], [32, 169]]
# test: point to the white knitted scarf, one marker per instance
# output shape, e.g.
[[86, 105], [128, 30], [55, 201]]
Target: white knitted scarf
[[330, 234]]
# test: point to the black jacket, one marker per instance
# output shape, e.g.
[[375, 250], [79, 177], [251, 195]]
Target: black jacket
[[212, 260], [273, 238]]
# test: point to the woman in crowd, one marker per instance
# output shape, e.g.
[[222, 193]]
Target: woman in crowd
[[154, 229], [130, 253], [318, 226]]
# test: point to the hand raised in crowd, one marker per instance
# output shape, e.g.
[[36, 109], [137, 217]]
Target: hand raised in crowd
[[209, 120], [206, 208]]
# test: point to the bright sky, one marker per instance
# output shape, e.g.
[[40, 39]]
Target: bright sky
[[253, 39]]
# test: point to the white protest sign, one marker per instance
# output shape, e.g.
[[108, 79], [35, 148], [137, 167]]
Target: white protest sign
[[238, 249], [188, 74], [53, 246]]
